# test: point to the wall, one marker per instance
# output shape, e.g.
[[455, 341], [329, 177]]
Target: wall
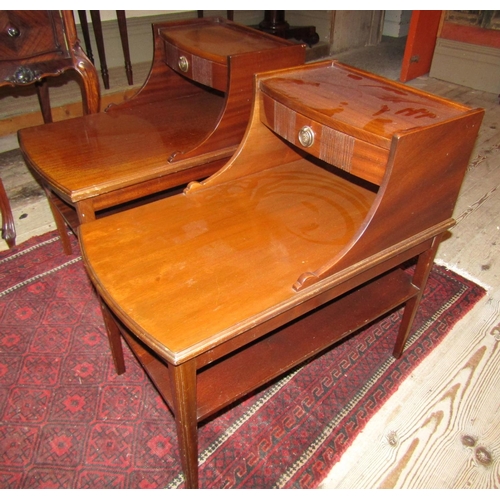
[[337, 30]]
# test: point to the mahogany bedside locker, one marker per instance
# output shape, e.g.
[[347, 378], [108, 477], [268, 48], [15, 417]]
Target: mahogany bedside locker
[[341, 180], [182, 125]]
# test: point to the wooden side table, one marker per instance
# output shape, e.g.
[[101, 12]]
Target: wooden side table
[[182, 125], [342, 180]]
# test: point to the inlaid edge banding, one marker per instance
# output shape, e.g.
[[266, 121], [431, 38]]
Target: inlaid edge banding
[[337, 148], [284, 121], [202, 70]]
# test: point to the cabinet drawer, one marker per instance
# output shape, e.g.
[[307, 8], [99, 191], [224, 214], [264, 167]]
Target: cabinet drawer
[[198, 69], [29, 34], [335, 147]]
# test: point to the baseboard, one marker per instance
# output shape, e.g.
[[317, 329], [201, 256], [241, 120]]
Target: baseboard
[[466, 64]]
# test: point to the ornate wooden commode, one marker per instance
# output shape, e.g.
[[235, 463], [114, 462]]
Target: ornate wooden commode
[[182, 125], [343, 179]]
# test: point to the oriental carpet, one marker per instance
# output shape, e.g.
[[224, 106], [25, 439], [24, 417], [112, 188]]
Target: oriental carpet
[[68, 421]]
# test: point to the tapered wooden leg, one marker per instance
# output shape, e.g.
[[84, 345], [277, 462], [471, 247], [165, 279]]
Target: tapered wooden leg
[[114, 338], [8, 227], [422, 271], [62, 228], [183, 383]]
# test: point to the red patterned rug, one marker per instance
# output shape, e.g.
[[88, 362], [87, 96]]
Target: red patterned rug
[[68, 421]]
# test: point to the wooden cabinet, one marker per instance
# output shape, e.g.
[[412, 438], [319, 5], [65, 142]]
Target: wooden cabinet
[[36, 44], [182, 125], [342, 182]]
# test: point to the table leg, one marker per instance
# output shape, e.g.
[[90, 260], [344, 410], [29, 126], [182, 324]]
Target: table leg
[[183, 384], [62, 228], [42, 91], [422, 270], [85, 211], [8, 227], [114, 338]]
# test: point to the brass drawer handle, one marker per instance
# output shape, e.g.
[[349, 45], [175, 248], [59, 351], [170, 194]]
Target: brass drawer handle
[[306, 136], [13, 32], [183, 64]]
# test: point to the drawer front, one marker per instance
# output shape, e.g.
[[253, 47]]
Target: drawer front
[[355, 156], [29, 34], [197, 68]]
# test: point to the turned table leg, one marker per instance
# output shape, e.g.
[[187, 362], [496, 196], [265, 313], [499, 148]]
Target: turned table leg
[[183, 384], [422, 270]]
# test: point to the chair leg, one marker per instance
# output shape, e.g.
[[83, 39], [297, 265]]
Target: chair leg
[[122, 25], [8, 227], [96, 22], [86, 35]]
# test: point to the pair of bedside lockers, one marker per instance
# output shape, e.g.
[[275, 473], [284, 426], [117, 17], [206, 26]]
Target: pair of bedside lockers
[[309, 188]]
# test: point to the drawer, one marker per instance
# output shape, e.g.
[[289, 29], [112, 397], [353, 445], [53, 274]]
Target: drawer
[[335, 147], [199, 69], [29, 34]]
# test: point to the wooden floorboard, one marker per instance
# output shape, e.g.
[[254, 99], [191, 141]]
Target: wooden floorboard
[[441, 428]]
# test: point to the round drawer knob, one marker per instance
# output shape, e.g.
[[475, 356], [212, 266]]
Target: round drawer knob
[[13, 32], [306, 136], [183, 64]]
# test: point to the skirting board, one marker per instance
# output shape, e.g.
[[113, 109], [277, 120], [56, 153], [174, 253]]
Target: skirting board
[[466, 64]]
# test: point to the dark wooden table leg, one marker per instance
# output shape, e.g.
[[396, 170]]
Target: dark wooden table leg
[[114, 338], [423, 268], [122, 25], [62, 228], [183, 384], [82, 15], [42, 90], [8, 227], [96, 22]]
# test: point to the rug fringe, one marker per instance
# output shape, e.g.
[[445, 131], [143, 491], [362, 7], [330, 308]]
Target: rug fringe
[[463, 273]]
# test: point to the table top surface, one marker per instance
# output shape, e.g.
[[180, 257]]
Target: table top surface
[[217, 40], [364, 105], [98, 153], [196, 268]]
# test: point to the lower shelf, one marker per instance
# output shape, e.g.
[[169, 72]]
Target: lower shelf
[[268, 357]]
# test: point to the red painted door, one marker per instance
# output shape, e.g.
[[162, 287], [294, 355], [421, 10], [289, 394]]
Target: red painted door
[[419, 49]]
